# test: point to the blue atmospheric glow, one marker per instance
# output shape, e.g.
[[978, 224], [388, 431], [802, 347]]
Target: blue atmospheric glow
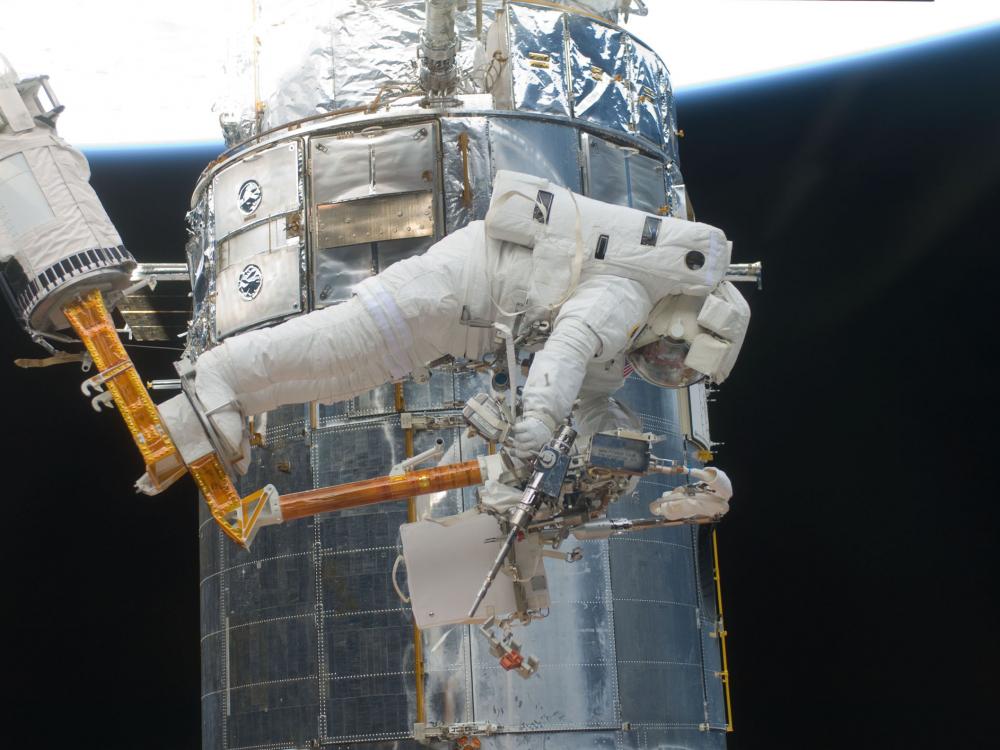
[[844, 64], [123, 151], [782, 76]]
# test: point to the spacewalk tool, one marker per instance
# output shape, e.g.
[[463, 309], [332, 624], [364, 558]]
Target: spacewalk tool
[[550, 469], [500, 546]]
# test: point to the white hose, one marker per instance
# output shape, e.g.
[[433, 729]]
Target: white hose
[[395, 584]]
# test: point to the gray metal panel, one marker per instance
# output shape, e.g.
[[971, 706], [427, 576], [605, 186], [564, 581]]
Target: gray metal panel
[[275, 169], [646, 182], [373, 162], [211, 720], [580, 605], [448, 685], [357, 450], [537, 59], [599, 63], [606, 173], [715, 707], [581, 661], [279, 294], [468, 384], [619, 175], [270, 588], [336, 271], [672, 738], [537, 148], [436, 392], [381, 400], [465, 152], [265, 237], [568, 740], [286, 422], [393, 251], [676, 192], [281, 714], [655, 591]]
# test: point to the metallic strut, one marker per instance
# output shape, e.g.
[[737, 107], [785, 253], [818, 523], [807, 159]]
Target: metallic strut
[[439, 48]]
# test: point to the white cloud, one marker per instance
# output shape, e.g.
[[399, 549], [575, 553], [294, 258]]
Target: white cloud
[[131, 72]]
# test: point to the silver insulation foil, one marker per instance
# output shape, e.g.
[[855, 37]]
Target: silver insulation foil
[[563, 63], [309, 57], [304, 641], [316, 56], [305, 644]]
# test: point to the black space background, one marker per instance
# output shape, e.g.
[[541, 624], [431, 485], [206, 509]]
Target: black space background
[[859, 559]]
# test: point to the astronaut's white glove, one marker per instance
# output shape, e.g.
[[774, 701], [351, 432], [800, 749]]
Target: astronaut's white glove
[[528, 435]]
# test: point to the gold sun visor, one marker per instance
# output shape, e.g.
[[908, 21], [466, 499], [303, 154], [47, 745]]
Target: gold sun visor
[[661, 362]]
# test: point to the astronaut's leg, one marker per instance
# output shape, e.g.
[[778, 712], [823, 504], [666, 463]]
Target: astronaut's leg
[[397, 322], [328, 355]]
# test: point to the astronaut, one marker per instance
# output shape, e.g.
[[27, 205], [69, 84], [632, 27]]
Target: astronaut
[[587, 286], [609, 285]]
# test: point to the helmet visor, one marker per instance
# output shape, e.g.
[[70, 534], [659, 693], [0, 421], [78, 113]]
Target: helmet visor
[[661, 363]]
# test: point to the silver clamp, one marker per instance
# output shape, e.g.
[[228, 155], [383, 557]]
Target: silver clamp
[[425, 733]]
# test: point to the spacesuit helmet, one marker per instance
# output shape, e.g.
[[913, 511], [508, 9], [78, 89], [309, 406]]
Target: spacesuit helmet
[[687, 338], [659, 351]]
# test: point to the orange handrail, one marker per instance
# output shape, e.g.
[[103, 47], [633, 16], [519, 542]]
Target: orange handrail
[[380, 489]]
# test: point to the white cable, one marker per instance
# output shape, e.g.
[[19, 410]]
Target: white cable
[[395, 583]]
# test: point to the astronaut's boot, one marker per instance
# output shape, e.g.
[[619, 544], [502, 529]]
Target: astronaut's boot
[[706, 498], [195, 436]]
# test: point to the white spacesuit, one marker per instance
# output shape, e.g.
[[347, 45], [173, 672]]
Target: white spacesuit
[[609, 283]]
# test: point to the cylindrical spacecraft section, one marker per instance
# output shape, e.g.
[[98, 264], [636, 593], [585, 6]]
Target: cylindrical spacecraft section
[[56, 240], [305, 639]]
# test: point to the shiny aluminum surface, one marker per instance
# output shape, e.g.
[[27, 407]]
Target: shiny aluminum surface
[[599, 60], [316, 56], [304, 638], [304, 641]]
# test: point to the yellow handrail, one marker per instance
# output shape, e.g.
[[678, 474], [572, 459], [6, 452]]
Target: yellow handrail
[[724, 675]]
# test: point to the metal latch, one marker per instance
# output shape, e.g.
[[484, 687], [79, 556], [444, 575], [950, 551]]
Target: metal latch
[[425, 733]]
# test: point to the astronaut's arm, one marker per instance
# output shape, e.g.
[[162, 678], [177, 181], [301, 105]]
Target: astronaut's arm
[[593, 325], [553, 383]]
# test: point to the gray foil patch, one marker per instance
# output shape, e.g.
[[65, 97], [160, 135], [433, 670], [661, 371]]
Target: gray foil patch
[[537, 148]]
